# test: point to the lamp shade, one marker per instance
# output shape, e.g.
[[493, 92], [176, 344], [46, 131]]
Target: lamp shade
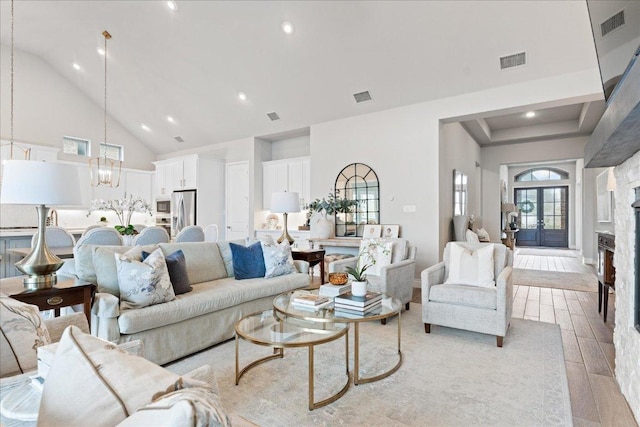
[[26, 182], [508, 207], [282, 202]]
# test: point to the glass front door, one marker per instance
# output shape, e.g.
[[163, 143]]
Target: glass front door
[[544, 214]]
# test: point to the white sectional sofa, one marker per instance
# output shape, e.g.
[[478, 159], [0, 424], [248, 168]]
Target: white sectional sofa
[[194, 320]]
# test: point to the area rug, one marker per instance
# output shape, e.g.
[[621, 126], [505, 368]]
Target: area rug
[[585, 281], [448, 378]]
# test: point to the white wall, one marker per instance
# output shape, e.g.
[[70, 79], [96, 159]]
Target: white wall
[[291, 148], [47, 107], [457, 151]]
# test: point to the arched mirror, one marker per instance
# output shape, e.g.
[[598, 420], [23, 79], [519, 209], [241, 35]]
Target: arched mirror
[[359, 184]]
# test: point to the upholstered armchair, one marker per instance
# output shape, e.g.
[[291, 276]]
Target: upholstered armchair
[[396, 278], [458, 292]]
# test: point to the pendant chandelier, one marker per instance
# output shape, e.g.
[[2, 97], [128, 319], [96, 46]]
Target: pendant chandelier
[[15, 149], [105, 170]]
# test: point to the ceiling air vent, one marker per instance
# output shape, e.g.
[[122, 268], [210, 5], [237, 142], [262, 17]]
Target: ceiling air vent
[[612, 23], [362, 96], [178, 138], [514, 60], [273, 116]]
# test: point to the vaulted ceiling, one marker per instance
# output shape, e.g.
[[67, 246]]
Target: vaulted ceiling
[[192, 63]]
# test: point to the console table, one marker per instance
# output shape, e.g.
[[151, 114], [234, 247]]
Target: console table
[[606, 270]]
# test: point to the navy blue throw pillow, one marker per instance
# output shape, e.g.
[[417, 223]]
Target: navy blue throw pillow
[[177, 266], [248, 262]]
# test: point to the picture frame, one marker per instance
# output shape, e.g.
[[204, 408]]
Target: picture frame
[[391, 230], [371, 231], [603, 198]]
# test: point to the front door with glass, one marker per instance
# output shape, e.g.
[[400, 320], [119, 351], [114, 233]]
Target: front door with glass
[[544, 216]]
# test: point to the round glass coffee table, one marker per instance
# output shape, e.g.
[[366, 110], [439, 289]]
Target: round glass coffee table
[[390, 307], [265, 329]]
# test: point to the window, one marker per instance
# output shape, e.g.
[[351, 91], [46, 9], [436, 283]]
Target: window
[[115, 152], [78, 146], [541, 174]]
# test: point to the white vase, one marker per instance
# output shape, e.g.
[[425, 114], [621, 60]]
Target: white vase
[[127, 239], [321, 226], [358, 289]]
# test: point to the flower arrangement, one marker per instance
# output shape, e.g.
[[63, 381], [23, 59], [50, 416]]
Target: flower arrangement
[[330, 205], [124, 209]]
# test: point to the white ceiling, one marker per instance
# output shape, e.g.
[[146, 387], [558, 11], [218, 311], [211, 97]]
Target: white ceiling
[[191, 63]]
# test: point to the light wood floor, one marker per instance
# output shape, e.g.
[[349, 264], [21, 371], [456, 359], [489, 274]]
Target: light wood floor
[[589, 353]]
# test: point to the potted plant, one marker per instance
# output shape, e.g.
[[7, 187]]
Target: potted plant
[[359, 279], [124, 209], [329, 206]]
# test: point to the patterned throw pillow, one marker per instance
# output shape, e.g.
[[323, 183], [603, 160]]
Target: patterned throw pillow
[[143, 283], [177, 266], [248, 262], [277, 259], [23, 331], [376, 253]]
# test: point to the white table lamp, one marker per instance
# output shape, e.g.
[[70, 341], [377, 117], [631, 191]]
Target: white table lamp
[[285, 203], [27, 182]]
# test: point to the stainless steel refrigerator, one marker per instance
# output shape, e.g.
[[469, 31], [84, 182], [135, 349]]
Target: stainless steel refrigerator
[[183, 210]]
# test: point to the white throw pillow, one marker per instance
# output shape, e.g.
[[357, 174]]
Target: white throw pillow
[[467, 267], [277, 259], [483, 236], [376, 253], [472, 237], [143, 283]]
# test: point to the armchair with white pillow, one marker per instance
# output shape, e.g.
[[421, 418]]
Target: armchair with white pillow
[[391, 273], [470, 289]]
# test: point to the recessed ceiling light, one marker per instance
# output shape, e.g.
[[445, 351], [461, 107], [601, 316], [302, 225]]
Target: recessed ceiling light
[[172, 5], [76, 66], [145, 127], [171, 119], [530, 114], [100, 51], [242, 96], [287, 27]]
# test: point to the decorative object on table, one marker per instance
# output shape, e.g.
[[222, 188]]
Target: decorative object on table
[[331, 290], [360, 303], [108, 170], [305, 300], [26, 152], [26, 182], [359, 279], [272, 221], [285, 203], [124, 209], [372, 231], [510, 210], [321, 212], [391, 231], [338, 278]]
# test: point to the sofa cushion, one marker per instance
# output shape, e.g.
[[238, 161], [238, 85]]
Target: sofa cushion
[[248, 262], [399, 250], [177, 267], [23, 331], [104, 264], [207, 298], [472, 296], [376, 253], [143, 283], [91, 382], [204, 262], [278, 260], [501, 257], [471, 267], [227, 257]]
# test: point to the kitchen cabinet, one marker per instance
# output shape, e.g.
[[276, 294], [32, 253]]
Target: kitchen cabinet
[[139, 184], [293, 175], [180, 173]]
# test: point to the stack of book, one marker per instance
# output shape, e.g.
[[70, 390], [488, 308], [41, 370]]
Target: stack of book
[[329, 290], [309, 301], [348, 305]]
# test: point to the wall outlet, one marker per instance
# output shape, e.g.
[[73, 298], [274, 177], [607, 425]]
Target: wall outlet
[[409, 208]]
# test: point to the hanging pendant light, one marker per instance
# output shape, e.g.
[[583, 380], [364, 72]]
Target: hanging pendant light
[[15, 149], [105, 170]]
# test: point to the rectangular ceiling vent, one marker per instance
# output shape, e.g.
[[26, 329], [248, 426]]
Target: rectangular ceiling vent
[[178, 138], [273, 116], [362, 96], [616, 21], [515, 60]]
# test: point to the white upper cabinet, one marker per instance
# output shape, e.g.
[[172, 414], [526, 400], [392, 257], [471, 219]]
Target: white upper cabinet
[[292, 175], [180, 173]]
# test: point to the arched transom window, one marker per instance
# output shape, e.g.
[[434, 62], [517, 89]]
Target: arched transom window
[[541, 174]]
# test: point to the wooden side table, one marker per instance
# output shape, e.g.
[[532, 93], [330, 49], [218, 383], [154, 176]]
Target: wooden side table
[[313, 257], [67, 292]]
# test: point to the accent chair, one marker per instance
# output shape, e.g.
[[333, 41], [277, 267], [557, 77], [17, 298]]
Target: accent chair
[[190, 233]]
